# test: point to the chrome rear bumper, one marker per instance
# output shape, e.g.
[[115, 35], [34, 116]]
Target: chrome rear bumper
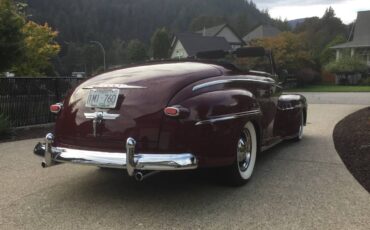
[[130, 161]]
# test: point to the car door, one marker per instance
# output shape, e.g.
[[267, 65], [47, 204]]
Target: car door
[[267, 95]]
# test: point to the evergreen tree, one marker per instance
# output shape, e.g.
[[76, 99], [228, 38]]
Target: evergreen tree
[[11, 36], [136, 51], [160, 44]]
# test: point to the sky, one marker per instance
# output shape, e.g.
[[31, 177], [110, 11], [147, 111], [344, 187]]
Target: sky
[[293, 9]]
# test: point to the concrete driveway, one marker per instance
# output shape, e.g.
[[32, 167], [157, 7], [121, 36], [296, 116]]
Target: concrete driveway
[[295, 186], [338, 98]]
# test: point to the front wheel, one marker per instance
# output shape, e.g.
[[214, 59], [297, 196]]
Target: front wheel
[[300, 129], [246, 152]]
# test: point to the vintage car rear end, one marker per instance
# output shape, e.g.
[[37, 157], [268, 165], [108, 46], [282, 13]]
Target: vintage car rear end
[[173, 116], [135, 119]]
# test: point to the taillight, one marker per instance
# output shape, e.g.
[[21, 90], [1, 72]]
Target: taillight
[[172, 111], [176, 111], [56, 108]]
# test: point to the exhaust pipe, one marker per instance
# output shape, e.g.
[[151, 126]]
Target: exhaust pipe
[[140, 175], [39, 149]]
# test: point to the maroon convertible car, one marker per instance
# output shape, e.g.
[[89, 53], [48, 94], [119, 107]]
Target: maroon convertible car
[[176, 115]]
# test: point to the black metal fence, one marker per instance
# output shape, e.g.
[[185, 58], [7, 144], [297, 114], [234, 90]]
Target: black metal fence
[[26, 101]]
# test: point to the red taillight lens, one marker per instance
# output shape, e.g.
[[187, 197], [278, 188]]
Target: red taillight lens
[[176, 111], [172, 111], [56, 108]]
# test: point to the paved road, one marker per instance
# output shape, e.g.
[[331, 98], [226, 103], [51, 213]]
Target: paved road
[[295, 186]]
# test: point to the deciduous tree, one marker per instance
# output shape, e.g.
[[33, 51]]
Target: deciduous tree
[[290, 50], [40, 47]]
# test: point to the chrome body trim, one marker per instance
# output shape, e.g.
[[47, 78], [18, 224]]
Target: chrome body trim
[[264, 148], [289, 107], [98, 117], [217, 82], [120, 160], [259, 72], [101, 115], [290, 97], [228, 117], [116, 86]]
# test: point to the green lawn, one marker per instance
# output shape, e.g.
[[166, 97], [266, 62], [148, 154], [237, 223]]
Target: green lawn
[[330, 88]]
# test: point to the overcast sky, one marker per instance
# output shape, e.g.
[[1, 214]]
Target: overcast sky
[[293, 9]]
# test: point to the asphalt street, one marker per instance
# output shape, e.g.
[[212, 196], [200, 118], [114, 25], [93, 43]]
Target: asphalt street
[[301, 185]]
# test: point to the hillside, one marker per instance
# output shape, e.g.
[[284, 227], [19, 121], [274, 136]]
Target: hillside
[[293, 23], [83, 20], [115, 22]]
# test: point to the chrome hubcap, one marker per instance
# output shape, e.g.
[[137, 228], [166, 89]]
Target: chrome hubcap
[[244, 151]]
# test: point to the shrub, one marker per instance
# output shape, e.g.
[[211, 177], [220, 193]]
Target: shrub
[[5, 127], [365, 81], [347, 64]]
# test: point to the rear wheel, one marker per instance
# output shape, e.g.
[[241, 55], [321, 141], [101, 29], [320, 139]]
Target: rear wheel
[[246, 152]]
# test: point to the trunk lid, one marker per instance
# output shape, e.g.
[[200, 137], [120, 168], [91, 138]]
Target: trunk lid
[[144, 92]]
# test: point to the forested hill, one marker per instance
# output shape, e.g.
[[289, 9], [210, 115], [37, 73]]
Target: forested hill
[[106, 20]]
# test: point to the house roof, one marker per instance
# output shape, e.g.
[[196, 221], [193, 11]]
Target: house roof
[[361, 37], [194, 43], [215, 30], [262, 31], [211, 31]]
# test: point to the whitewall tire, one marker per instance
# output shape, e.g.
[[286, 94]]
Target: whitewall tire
[[300, 129], [246, 153]]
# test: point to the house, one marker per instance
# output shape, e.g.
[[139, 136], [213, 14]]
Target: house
[[189, 44], [221, 37], [225, 31], [360, 44], [262, 31]]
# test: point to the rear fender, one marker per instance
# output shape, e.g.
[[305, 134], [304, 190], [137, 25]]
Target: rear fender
[[213, 126]]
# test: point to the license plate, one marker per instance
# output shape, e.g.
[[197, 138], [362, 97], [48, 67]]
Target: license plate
[[102, 98]]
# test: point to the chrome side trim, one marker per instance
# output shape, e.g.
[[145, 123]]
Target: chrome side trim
[[101, 115], [228, 117], [289, 107], [259, 72], [117, 86], [208, 84], [217, 82], [120, 160]]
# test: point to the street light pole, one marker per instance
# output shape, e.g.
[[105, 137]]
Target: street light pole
[[102, 47]]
